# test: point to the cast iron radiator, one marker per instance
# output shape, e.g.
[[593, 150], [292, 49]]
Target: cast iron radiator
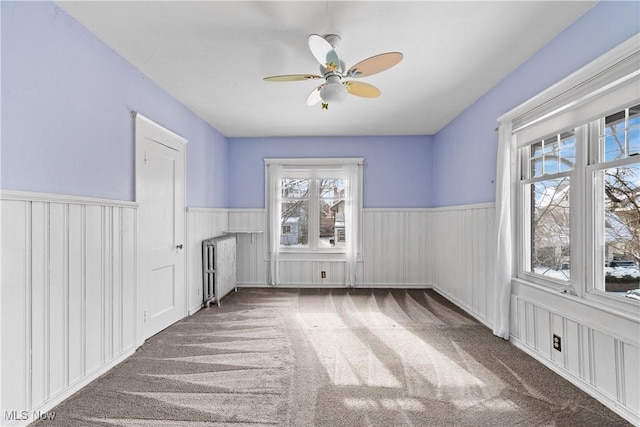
[[218, 268]]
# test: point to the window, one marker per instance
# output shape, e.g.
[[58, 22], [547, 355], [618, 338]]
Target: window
[[546, 185], [312, 209], [567, 188], [579, 193], [311, 198], [614, 174]]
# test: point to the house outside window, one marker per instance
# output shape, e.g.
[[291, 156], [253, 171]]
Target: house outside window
[[310, 211], [310, 196], [614, 174], [574, 163], [546, 189], [579, 192]]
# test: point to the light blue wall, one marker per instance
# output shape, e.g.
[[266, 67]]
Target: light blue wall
[[398, 171], [66, 122], [465, 150]]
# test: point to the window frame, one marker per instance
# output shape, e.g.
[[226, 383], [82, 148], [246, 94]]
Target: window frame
[[313, 168], [595, 208], [604, 87], [524, 202]]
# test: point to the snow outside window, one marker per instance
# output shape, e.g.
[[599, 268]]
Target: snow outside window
[[579, 192]]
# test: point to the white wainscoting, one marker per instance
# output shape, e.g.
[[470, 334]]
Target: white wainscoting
[[68, 295], [600, 348], [463, 248], [395, 245], [396, 248], [251, 257], [202, 223]]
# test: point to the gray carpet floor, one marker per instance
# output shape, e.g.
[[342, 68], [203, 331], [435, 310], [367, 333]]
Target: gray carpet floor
[[323, 357]]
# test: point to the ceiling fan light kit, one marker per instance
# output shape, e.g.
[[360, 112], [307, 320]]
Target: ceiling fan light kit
[[333, 90], [332, 69]]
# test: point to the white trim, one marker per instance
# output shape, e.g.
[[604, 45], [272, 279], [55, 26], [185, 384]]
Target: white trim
[[314, 161], [312, 256], [248, 210], [487, 205], [595, 67], [394, 286], [580, 300], [578, 382], [468, 309], [206, 210], [141, 117], [27, 196], [180, 147], [54, 401], [312, 164], [397, 209], [602, 87]]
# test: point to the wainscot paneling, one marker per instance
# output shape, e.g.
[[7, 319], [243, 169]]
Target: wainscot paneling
[[68, 296], [600, 348], [202, 223], [251, 258], [395, 248], [395, 244], [462, 254]]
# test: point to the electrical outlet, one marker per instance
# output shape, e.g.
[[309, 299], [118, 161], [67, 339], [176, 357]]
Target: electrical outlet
[[557, 342], [323, 274]]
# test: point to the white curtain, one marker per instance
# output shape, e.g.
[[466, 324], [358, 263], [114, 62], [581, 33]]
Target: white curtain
[[275, 222], [504, 230], [351, 212]]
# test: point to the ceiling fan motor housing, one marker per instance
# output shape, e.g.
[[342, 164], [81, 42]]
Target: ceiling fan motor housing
[[333, 39]]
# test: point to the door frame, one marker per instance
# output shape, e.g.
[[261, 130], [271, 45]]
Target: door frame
[[142, 241]]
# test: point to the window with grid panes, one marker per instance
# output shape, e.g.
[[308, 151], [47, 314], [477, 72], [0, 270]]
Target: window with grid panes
[[579, 190]]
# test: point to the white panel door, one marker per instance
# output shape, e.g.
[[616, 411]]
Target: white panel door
[[160, 194]]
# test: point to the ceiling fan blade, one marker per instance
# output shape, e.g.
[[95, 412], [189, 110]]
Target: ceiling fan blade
[[319, 48], [291, 78], [364, 90], [324, 53], [375, 64], [314, 96]]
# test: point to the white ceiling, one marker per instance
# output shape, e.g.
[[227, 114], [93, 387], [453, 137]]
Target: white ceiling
[[212, 56]]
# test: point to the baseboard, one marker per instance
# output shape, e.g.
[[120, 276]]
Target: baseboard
[[45, 407], [395, 285], [337, 286], [463, 306], [587, 388], [194, 309], [616, 407]]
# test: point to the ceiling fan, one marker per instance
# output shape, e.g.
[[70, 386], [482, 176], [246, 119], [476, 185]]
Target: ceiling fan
[[332, 69]]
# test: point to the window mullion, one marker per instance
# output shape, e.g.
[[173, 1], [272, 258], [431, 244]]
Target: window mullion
[[593, 207], [313, 214], [580, 214]]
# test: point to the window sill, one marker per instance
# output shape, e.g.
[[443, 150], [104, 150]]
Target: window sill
[[615, 302], [622, 307], [312, 256]]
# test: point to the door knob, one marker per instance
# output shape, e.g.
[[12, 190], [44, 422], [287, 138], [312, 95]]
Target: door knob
[[179, 246]]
